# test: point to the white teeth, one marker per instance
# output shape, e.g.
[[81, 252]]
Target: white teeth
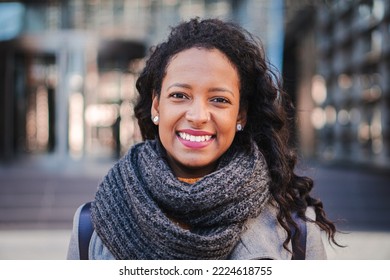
[[193, 138]]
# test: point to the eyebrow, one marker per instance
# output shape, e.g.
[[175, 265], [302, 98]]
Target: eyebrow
[[215, 89], [180, 85]]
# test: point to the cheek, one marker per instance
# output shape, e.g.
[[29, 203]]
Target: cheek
[[167, 125], [227, 126]]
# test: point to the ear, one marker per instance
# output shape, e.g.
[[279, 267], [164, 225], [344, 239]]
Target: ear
[[154, 110], [242, 117]]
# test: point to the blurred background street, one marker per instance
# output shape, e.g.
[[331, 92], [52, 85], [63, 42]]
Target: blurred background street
[[67, 89]]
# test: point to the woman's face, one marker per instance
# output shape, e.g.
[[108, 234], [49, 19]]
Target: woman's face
[[198, 110]]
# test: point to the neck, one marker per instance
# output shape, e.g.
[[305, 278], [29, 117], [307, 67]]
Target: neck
[[183, 171]]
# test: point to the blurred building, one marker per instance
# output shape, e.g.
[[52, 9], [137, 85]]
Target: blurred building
[[351, 90], [68, 68], [67, 86]]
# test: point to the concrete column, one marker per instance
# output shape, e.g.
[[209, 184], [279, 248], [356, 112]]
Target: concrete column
[[61, 139]]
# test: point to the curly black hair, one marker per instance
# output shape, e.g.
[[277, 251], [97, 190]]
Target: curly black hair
[[269, 110]]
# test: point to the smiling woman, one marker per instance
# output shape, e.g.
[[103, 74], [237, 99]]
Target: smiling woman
[[214, 177]]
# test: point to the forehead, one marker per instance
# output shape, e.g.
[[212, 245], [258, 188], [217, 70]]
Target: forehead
[[194, 52], [201, 64], [200, 58]]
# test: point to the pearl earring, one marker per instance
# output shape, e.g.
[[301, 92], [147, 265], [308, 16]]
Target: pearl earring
[[155, 119], [239, 127]]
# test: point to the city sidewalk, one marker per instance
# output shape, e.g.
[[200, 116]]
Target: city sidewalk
[[53, 244]]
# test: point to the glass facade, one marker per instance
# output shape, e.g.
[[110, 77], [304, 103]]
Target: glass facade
[[351, 88]]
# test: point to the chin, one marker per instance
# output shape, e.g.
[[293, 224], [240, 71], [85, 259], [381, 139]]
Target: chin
[[194, 165], [201, 167]]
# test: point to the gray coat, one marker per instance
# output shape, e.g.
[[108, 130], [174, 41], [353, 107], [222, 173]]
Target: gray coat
[[262, 239]]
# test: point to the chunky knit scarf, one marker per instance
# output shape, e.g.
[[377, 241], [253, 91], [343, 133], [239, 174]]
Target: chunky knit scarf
[[132, 205]]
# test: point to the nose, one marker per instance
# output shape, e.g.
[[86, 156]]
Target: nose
[[198, 113]]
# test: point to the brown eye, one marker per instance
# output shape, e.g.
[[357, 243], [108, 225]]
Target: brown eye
[[220, 100], [178, 95]]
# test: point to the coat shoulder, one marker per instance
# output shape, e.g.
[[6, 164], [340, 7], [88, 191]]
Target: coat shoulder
[[263, 238]]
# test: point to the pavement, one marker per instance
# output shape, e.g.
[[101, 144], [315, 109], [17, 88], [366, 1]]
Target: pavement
[[38, 200], [53, 244]]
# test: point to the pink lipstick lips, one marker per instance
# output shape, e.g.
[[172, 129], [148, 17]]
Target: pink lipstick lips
[[195, 139]]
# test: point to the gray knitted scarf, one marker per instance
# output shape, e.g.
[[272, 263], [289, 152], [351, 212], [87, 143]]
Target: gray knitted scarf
[[136, 196]]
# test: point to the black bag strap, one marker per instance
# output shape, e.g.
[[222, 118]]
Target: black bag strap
[[298, 246], [85, 230]]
